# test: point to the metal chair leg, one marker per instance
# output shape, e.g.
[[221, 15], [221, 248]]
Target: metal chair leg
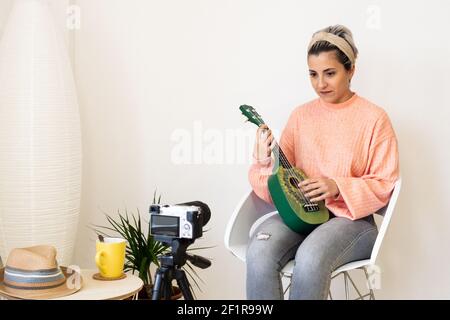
[[372, 294], [347, 279], [347, 295], [287, 288], [289, 278], [355, 287]]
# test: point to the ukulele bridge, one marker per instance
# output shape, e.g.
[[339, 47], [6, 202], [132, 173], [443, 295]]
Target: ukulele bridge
[[311, 207]]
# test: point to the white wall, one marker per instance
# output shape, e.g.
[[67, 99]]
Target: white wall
[[58, 7], [147, 68], [5, 7]]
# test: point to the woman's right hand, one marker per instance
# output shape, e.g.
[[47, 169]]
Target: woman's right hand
[[264, 143]]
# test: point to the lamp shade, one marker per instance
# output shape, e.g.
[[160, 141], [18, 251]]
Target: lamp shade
[[40, 139]]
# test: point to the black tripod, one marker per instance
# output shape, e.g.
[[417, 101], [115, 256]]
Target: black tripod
[[170, 269]]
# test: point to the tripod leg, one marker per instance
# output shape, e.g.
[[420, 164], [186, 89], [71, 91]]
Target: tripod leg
[[156, 292], [167, 286], [162, 288], [183, 283]]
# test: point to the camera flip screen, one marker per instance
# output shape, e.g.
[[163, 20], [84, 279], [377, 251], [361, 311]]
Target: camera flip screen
[[165, 225]]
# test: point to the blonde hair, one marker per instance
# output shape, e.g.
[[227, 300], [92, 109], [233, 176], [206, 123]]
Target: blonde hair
[[341, 31]]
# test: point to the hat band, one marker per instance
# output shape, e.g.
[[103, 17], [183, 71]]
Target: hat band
[[33, 280], [33, 288], [26, 272]]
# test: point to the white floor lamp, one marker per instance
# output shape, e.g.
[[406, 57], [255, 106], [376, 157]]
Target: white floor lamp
[[40, 139]]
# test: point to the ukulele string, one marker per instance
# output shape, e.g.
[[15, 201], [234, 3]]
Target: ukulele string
[[282, 158], [288, 166]]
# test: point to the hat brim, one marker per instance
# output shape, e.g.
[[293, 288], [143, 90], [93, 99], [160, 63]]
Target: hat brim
[[73, 283]]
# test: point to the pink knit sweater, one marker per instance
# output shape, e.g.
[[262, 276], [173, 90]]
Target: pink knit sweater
[[352, 143]]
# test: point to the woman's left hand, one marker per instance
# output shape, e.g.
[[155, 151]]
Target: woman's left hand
[[317, 189]]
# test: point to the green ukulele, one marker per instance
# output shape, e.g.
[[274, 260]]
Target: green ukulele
[[295, 209]]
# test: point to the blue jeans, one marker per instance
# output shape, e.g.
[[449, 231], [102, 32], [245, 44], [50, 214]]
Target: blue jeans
[[329, 246]]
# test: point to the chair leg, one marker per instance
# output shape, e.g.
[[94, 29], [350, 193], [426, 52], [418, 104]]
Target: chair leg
[[347, 278], [287, 287], [347, 295], [371, 293], [289, 279], [360, 296]]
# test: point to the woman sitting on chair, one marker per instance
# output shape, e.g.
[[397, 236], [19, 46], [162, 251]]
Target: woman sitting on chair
[[347, 147]]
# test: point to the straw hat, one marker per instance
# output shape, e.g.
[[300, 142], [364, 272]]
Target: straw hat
[[33, 273]]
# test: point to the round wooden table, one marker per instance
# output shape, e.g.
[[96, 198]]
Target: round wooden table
[[93, 289]]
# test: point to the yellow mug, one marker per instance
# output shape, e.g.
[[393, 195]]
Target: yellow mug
[[110, 257]]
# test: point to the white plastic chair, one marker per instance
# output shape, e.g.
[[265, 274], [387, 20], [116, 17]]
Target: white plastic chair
[[252, 211]]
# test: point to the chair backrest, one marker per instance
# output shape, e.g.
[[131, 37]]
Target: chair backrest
[[386, 212]]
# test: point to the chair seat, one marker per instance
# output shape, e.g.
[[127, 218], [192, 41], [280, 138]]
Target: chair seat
[[289, 267], [351, 265], [239, 251]]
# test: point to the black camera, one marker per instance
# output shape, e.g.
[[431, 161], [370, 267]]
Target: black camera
[[176, 222]]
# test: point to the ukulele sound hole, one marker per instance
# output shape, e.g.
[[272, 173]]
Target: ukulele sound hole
[[294, 182]]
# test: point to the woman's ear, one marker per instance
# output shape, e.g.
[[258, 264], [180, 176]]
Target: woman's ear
[[350, 73]]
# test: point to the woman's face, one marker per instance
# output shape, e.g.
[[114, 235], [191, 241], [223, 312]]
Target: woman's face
[[329, 78]]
